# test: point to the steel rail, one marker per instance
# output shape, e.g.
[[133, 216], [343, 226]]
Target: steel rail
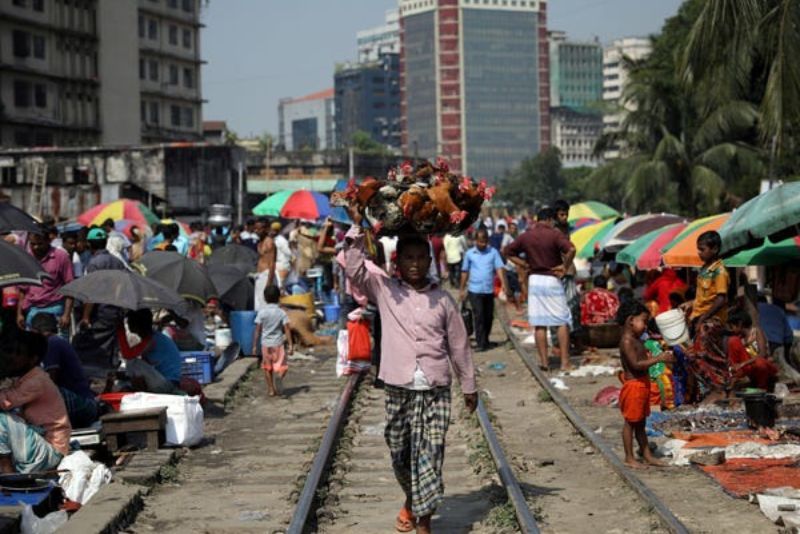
[[664, 513], [322, 458]]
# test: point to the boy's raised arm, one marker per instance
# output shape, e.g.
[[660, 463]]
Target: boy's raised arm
[[355, 267]]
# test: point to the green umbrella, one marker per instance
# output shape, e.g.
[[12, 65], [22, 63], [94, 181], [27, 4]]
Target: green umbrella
[[768, 254], [591, 209], [272, 205], [774, 214]]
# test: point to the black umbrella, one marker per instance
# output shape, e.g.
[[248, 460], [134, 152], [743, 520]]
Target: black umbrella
[[235, 255], [12, 218], [17, 267], [187, 277], [234, 286], [124, 289]]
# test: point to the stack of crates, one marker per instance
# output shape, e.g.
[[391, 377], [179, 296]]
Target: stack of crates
[[198, 365]]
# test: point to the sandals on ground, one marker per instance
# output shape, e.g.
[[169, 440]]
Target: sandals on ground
[[405, 521]]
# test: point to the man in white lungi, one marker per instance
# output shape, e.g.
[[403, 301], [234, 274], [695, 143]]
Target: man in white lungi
[[548, 255]]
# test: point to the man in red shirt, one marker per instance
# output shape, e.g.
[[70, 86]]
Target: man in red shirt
[[548, 254], [662, 287], [47, 299]]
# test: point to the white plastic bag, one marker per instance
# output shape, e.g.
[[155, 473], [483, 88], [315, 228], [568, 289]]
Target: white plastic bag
[[184, 415], [342, 348], [84, 477], [32, 524]]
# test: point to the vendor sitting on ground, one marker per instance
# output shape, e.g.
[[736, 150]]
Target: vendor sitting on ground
[[37, 438], [64, 367], [599, 306], [747, 351], [153, 364]]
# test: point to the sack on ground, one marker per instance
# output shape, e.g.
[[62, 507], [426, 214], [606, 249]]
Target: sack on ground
[[83, 477], [184, 415]]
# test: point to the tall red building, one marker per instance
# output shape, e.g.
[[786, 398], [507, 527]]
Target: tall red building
[[474, 77]]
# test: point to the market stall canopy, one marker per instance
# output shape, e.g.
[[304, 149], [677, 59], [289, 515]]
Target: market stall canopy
[[187, 277], [17, 267], [645, 252], [591, 209], [587, 239], [124, 289], [628, 230], [769, 254], [774, 214], [132, 210], [682, 250], [14, 219]]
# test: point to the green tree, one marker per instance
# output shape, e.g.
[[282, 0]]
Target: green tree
[[363, 143], [535, 182]]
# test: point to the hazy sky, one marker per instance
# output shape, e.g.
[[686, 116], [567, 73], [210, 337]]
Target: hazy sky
[[261, 50]]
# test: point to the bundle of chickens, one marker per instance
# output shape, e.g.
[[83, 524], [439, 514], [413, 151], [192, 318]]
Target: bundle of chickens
[[428, 199]]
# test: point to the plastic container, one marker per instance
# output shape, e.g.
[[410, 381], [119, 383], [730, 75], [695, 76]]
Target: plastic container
[[331, 312], [198, 365], [222, 338], [242, 327], [761, 408], [113, 399], [673, 327]]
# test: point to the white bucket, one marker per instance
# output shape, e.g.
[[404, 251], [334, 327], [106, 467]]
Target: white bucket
[[223, 338], [672, 325]]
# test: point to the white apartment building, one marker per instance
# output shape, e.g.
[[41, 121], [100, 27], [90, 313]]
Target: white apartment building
[[381, 39], [615, 76]]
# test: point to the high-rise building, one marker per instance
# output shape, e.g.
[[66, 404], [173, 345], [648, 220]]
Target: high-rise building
[[384, 39], [576, 92], [368, 100], [99, 72], [615, 77], [307, 122], [475, 82]]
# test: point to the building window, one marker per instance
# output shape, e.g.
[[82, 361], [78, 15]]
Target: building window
[[38, 46], [142, 69], [143, 111], [152, 29], [173, 75], [175, 115], [173, 35], [21, 43], [188, 78], [188, 6], [38, 5], [22, 94], [187, 38], [154, 113], [173, 4], [40, 95], [188, 117], [9, 176], [142, 26], [153, 70]]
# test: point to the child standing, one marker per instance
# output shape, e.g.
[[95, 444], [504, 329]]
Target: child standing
[[711, 298], [272, 327], [634, 399]]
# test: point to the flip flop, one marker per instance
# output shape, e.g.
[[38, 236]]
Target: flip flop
[[405, 521]]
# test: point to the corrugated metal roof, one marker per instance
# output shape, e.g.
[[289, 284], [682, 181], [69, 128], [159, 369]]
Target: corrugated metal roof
[[323, 185]]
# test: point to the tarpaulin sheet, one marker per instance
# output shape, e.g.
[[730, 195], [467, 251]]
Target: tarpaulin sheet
[[743, 476], [719, 439]]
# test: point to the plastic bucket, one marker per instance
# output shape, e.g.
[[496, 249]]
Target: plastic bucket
[[761, 409], [113, 399], [672, 325], [242, 328], [331, 312], [223, 338]]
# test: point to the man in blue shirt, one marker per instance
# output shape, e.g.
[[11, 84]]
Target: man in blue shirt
[[775, 326], [478, 270], [158, 367]]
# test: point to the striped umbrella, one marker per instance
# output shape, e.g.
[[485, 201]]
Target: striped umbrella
[[587, 238], [682, 250], [271, 206], [303, 204], [132, 210], [591, 209], [645, 252], [628, 230]]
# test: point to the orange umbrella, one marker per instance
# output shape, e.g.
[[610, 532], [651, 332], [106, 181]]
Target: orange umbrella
[[682, 251]]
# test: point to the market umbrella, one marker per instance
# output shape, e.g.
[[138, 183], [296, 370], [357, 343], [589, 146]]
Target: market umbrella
[[308, 205], [682, 250], [17, 267], [768, 254], [774, 214], [12, 218], [587, 238], [645, 252], [124, 289], [591, 209], [271, 206], [187, 277], [183, 228], [628, 230], [240, 255], [580, 223], [132, 210], [234, 286]]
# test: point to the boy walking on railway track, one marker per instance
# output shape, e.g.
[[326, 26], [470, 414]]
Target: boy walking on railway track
[[634, 399], [422, 334], [272, 333]]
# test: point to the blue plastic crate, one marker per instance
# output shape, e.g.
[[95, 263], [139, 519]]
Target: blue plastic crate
[[198, 365]]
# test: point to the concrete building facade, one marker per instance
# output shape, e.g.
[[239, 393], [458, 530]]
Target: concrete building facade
[[368, 99], [615, 77], [475, 82], [384, 39], [307, 123], [575, 134], [99, 72]]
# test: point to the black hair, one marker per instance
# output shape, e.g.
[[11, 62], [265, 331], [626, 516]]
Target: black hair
[[600, 281], [630, 308], [272, 294], [482, 232], [545, 214], [501, 225], [561, 205], [675, 299], [170, 248], [97, 244], [29, 345], [740, 318], [624, 294], [45, 323], [69, 235], [249, 222], [412, 241], [196, 226], [140, 320], [711, 239], [108, 222]]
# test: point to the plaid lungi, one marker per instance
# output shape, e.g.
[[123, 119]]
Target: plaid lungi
[[416, 424]]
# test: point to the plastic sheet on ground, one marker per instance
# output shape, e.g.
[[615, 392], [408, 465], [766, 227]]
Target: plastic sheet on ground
[[719, 439], [757, 450], [591, 370], [745, 476], [558, 384], [83, 478], [769, 505], [32, 524]]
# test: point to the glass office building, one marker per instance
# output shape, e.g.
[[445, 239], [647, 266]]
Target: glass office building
[[419, 57]]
